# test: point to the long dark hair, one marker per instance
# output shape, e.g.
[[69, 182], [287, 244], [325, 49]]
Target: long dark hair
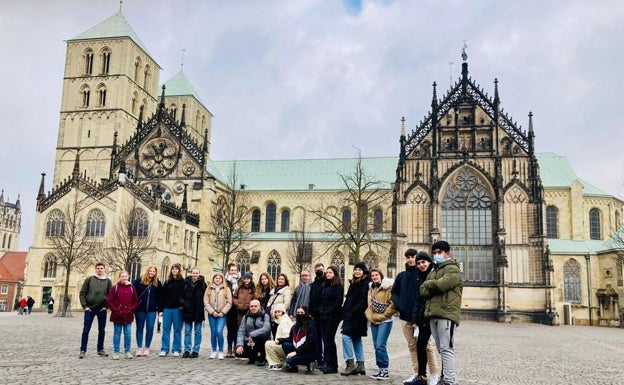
[[336, 280], [304, 325]]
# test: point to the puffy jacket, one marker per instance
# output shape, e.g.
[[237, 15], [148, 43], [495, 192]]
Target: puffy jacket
[[443, 291], [279, 295], [148, 295], [193, 300], [93, 292], [304, 340], [331, 302], [354, 322], [122, 300], [217, 299], [381, 294], [253, 325], [405, 291], [242, 297], [172, 295]]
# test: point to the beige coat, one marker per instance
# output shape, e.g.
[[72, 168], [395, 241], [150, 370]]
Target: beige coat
[[381, 294], [217, 299]]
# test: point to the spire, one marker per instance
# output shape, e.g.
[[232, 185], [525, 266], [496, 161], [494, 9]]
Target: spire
[[2, 196], [41, 193], [183, 117], [76, 170], [113, 156], [18, 204], [403, 126], [205, 147], [161, 106], [402, 141], [464, 68], [140, 121], [531, 134], [434, 97], [184, 206], [496, 98]]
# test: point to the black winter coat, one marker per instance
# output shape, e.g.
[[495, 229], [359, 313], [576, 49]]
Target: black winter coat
[[316, 289], [354, 322], [193, 300], [405, 291], [171, 295], [309, 346], [331, 302]]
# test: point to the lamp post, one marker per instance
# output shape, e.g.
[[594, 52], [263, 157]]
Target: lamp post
[[589, 295]]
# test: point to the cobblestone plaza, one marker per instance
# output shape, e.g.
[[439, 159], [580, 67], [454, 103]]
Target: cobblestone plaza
[[43, 349]]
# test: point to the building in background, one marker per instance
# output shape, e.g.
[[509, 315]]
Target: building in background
[[12, 266], [10, 223]]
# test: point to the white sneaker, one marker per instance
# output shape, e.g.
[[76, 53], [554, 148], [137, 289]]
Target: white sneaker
[[433, 379], [116, 356], [410, 379], [176, 354], [213, 355], [162, 354], [221, 355]]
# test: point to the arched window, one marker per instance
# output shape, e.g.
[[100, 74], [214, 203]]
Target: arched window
[[346, 220], [269, 224], [96, 223], [88, 62], [106, 55], [9, 243], [134, 268], [86, 96], [243, 262], [255, 221], [467, 225], [285, 223], [55, 226], [164, 269], [147, 78], [371, 260], [363, 218], [139, 223], [618, 220], [378, 221], [137, 69], [594, 223], [572, 281], [135, 98], [101, 92], [274, 264], [49, 268], [338, 260], [174, 110], [197, 120], [551, 222]]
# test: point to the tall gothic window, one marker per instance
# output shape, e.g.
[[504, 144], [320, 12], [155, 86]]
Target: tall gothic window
[[551, 222], [96, 223], [255, 221], [467, 225], [243, 262], [137, 69], [164, 269], [572, 281], [101, 96], [139, 224], [269, 225], [371, 260], [378, 221], [49, 269], [55, 226], [89, 62], [338, 260], [106, 55], [346, 220], [135, 268], [363, 218], [274, 264], [86, 96], [285, 222], [594, 223]]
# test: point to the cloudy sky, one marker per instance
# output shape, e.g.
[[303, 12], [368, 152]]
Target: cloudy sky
[[316, 78]]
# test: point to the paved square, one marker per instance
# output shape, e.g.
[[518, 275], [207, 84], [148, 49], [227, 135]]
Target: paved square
[[42, 349]]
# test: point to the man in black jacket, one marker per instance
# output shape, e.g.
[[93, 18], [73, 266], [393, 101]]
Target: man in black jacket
[[316, 288]]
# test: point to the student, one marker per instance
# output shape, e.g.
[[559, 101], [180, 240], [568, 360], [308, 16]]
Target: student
[[170, 303], [93, 295], [263, 289], [443, 291], [148, 286], [232, 277], [274, 353], [300, 345], [218, 304], [279, 294], [379, 313], [193, 313], [354, 322], [122, 300], [421, 326], [330, 315]]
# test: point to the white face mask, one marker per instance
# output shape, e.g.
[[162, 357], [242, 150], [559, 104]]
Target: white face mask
[[438, 258]]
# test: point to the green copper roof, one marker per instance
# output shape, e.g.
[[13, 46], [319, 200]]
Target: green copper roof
[[114, 26], [576, 246], [179, 85], [556, 172], [303, 174]]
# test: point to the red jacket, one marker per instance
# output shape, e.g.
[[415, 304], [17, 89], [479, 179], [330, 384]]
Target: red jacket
[[122, 300], [22, 302]]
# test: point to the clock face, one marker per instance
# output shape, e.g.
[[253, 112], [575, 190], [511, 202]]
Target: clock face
[[158, 157]]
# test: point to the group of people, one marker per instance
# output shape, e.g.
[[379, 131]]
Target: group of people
[[25, 305], [274, 327]]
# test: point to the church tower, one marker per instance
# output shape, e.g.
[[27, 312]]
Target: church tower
[[109, 76]]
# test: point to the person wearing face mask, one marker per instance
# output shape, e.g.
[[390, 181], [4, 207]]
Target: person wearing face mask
[[299, 347], [405, 292], [316, 288], [443, 291]]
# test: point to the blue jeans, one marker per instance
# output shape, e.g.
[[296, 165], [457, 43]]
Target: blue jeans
[[127, 333], [297, 359], [188, 328], [171, 317], [216, 332], [328, 330], [145, 320], [380, 333], [86, 327], [352, 346]]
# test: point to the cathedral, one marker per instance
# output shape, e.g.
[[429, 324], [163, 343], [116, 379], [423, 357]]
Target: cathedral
[[134, 186], [10, 224]]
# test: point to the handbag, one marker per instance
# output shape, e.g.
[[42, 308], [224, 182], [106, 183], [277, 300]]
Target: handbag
[[379, 307]]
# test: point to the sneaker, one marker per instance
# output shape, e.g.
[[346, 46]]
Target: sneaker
[[409, 380], [186, 355], [292, 369], [261, 363], [116, 356], [102, 353], [194, 355], [433, 379], [383, 375], [176, 354], [162, 354], [275, 367], [220, 355], [213, 355], [139, 352], [374, 376], [82, 355], [129, 355], [146, 352]]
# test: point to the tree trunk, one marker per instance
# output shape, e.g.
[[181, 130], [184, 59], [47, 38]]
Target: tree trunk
[[65, 304]]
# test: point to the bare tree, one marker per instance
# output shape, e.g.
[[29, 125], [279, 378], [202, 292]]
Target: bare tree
[[300, 251], [229, 220], [349, 217], [129, 240], [73, 249]]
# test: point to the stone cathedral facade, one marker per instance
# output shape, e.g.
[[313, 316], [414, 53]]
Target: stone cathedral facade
[[535, 242]]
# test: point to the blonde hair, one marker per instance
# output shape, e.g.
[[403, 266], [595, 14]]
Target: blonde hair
[[146, 280], [259, 286]]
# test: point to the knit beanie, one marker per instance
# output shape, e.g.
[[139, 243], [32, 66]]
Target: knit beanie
[[422, 255]]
